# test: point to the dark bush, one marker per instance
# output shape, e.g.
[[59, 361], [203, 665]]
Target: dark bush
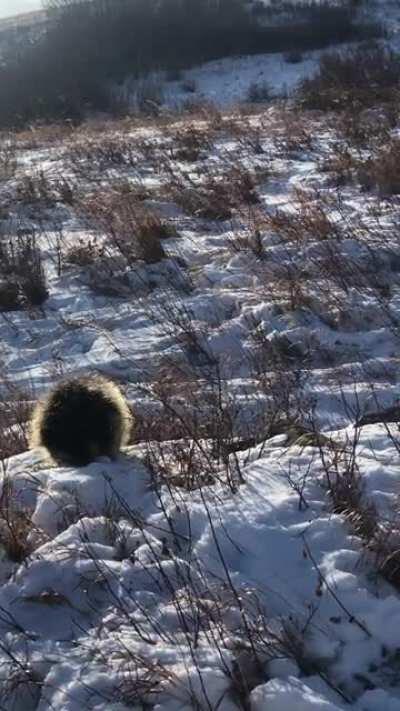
[[259, 92], [24, 277], [10, 299]]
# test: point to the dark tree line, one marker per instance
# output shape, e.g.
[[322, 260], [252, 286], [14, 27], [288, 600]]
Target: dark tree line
[[88, 43]]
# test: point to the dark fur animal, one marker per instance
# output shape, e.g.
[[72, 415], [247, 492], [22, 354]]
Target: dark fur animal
[[80, 420]]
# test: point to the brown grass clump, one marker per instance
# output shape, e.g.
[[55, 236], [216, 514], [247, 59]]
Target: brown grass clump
[[215, 197], [89, 152], [360, 77], [10, 297], [23, 274], [191, 144], [8, 158], [14, 415], [83, 254], [133, 230], [36, 190], [309, 221], [382, 170], [44, 135], [15, 524], [339, 165]]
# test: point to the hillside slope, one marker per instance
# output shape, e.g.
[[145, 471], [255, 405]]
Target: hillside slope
[[237, 273]]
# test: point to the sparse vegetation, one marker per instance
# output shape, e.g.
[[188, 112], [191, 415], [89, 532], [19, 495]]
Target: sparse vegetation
[[131, 229], [259, 93], [355, 79], [255, 259], [23, 274], [382, 170]]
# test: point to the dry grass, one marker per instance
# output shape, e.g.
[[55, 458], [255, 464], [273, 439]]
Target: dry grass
[[14, 417], [88, 152], [191, 143], [37, 191], [308, 220], [214, 197], [83, 254], [382, 170], [8, 158], [44, 136], [294, 133], [23, 274], [379, 172], [131, 228], [10, 296], [358, 78], [15, 524]]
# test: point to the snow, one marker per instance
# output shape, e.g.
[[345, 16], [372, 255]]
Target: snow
[[136, 592], [226, 82], [105, 581], [280, 695]]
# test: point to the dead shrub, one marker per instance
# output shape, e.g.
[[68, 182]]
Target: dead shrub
[[30, 269], [133, 230], [294, 133], [242, 184], [36, 190], [340, 166], [44, 135], [189, 86], [209, 201], [363, 128], [248, 134], [148, 96], [88, 154], [10, 297], [15, 525], [200, 108], [8, 158], [309, 221], [82, 254], [22, 259], [360, 77], [380, 537], [190, 144], [215, 196], [259, 93], [14, 416], [382, 170]]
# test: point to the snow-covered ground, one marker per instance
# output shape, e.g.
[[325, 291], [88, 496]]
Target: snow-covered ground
[[186, 576], [226, 82], [104, 605]]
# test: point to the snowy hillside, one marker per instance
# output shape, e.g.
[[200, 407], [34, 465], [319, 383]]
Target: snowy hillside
[[237, 273]]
